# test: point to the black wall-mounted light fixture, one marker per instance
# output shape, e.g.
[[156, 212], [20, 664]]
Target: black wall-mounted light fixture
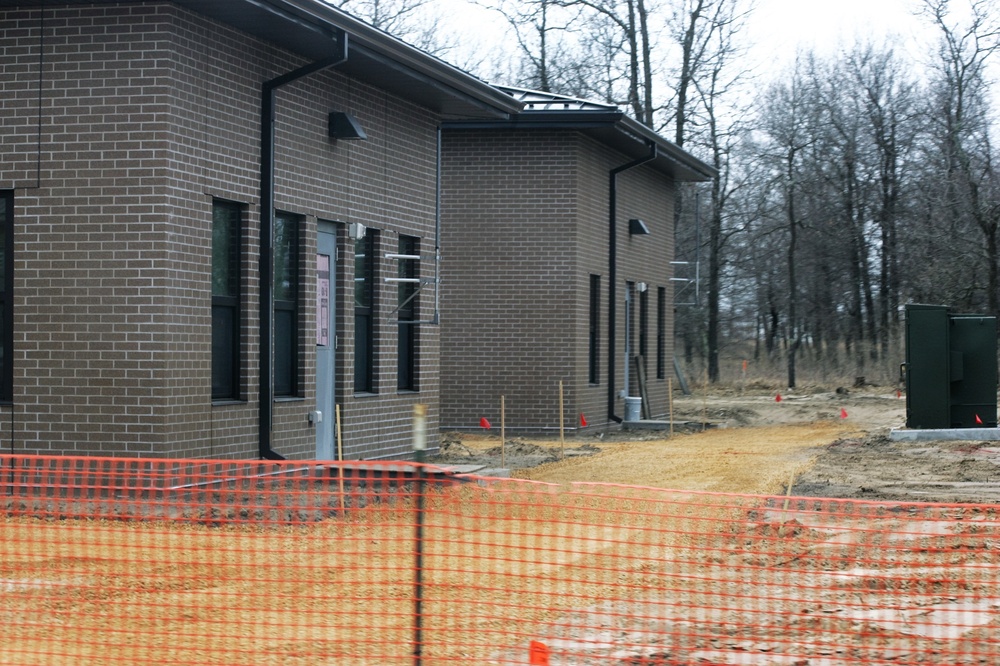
[[345, 126], [637, 227]]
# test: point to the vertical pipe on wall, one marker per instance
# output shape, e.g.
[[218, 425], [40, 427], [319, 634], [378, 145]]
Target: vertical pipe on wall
[[266, 259], [437, 233], [613, 270]]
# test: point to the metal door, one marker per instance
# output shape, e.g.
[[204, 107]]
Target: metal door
[[326, 340]]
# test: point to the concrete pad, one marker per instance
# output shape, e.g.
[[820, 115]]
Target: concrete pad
[[463, 469], [945, 434], [489, 472], [649, 424]]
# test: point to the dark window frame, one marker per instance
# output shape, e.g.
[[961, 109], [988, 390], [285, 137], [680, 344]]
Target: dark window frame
[[226, 368], [286, 296], [644, 328], [594, 331], [365, 302], [7, 298], [661, 332], [407, 358]]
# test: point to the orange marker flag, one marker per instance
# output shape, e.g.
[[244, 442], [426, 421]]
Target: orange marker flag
[[483, 423], [843, 413], [979, 421], [538, 654], [583, 420], [777, 398]]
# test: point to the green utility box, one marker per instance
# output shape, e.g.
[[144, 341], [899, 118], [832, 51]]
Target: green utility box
[[951, 369]]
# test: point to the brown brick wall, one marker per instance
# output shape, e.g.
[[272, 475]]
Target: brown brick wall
[[525, 225], [148, 112], [508, 267], [646, 194]]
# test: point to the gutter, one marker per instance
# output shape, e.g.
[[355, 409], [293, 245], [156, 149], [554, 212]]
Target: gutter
[[266, 257], [371, 42], [612, 127], [613, 268]]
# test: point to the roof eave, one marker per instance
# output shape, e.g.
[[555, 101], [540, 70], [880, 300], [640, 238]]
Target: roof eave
[[427, 67], [697, 170], [611, 128], [307, 27]]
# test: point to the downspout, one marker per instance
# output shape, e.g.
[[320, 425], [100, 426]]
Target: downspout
[[266, 266], [613, 270], [437, 235]]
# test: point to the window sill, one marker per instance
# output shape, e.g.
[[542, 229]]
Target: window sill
[[366, 395], [289, 398], [227, 402]]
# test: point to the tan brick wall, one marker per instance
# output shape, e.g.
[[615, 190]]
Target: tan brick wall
[[147, 113], [525, 225]]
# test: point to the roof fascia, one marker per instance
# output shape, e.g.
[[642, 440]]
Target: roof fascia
[[670, 150], [321, 22], [686, 167], [405, 57], [544, 120]]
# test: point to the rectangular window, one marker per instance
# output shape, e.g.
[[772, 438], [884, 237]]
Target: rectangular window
[[286, 305], [644, 326], [6, 295], [226, 218], [594, 332], [364, 313], [409, 262], [661, 333]]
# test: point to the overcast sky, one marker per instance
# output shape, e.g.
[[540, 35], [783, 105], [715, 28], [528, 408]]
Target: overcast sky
[[779, 27]]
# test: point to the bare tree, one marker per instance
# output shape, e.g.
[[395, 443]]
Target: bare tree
[[718, 59], [703, 35], [414, 21], [888, 97], [959, 115], [631, 21], [788, 124], [552, 60], [704, 32]]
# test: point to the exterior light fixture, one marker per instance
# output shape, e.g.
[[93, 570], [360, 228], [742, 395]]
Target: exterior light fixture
[[637, 227], [345, 126], [356, 231]]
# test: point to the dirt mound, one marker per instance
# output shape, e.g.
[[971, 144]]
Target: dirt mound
[[519, 447]]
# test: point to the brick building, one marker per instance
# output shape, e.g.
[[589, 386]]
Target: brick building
[[139, 168], [558, 226]]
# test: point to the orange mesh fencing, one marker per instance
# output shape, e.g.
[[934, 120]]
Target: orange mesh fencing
[[136, 561]]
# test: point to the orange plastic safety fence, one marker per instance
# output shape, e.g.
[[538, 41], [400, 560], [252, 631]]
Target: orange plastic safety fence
[[136, 561]]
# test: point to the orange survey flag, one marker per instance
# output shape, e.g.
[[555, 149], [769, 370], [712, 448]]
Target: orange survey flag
[[538, 654]]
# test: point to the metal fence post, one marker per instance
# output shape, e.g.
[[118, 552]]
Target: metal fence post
[[419, 448]]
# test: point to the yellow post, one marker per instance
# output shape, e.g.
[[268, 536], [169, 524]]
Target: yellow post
[[670, 404], [704, 400], [340, 457], [419, 430], [562, 423], [503, 434]]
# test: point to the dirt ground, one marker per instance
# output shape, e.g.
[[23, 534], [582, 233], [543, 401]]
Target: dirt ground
[[747, 591], [823, 442]]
